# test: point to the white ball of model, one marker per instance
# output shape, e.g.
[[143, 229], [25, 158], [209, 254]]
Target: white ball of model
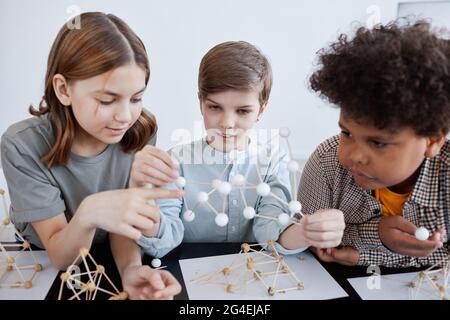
[[422, 233], [188, 215], [238, 180], [221, 219], [224, 187], [295, 207], [283, 219], [156, 263], [249, 213], [263, 189], [180, 182], [216, 183], [202, 197]]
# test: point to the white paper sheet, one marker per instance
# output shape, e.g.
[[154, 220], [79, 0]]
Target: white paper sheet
[[393, 287], [318, 283], [7, 233], [41, 282]]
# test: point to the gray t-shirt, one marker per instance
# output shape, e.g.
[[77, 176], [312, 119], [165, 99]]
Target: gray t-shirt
[[38, 193]]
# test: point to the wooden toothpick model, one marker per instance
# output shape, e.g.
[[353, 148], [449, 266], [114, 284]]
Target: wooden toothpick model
[[265, 266], [436, 277], [85, 285], [10, 261]]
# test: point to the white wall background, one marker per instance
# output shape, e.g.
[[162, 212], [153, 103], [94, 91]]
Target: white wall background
[[177, 34]]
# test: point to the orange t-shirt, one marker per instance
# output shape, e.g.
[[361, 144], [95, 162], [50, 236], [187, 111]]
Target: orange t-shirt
[[391, 202]]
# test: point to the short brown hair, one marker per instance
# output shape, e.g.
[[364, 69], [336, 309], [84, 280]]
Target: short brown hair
[[235, 65], [391, 76], [102, 43]]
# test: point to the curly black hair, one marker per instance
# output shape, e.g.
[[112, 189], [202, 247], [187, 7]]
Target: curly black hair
[[391, 76]]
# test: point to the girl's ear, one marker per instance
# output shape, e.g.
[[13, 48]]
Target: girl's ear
[[61, 89], [434, 145]]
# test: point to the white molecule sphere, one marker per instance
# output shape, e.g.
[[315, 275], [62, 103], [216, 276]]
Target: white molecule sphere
[[293, 166], [221, 219], [249, 213], [295, 207], [188, 215], [238, 180], [283, 219], [180, 182], [156, 263], [263, 189], [285, 132], [225, 187], [216, 183], [422, 233], [202, 197]]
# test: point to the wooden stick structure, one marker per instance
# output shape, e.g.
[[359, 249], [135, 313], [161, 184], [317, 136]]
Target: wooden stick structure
[[10, 260], [248, 267], [85, 285], [437, 277], [239, 182]]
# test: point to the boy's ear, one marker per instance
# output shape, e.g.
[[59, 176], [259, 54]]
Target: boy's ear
[[200, 102], [434, 145], [261, 110], [61, 88]]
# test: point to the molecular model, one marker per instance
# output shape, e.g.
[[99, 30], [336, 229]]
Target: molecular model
[[10, 260], [254, 265], [91, 285], [436, 277], [240, 182]]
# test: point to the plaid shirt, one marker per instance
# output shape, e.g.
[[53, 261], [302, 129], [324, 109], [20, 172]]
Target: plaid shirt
[[326, 184]]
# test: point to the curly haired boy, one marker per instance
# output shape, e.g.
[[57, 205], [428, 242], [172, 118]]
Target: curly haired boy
[[389, 169]]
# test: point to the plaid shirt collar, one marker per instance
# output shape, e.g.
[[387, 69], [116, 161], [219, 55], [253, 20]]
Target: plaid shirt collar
[[426, 190]]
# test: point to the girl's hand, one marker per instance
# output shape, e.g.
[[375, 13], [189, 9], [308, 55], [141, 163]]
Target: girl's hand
[[156, 219], [125, 212], [323, 229], [144, 283], [152, 166]]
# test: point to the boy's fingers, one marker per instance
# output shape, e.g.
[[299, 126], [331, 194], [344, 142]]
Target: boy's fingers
[[409, 245], [320, 219], [405, 226], [322, 235], [328, 225], [324, 244], [322, 254], [435, 236]]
